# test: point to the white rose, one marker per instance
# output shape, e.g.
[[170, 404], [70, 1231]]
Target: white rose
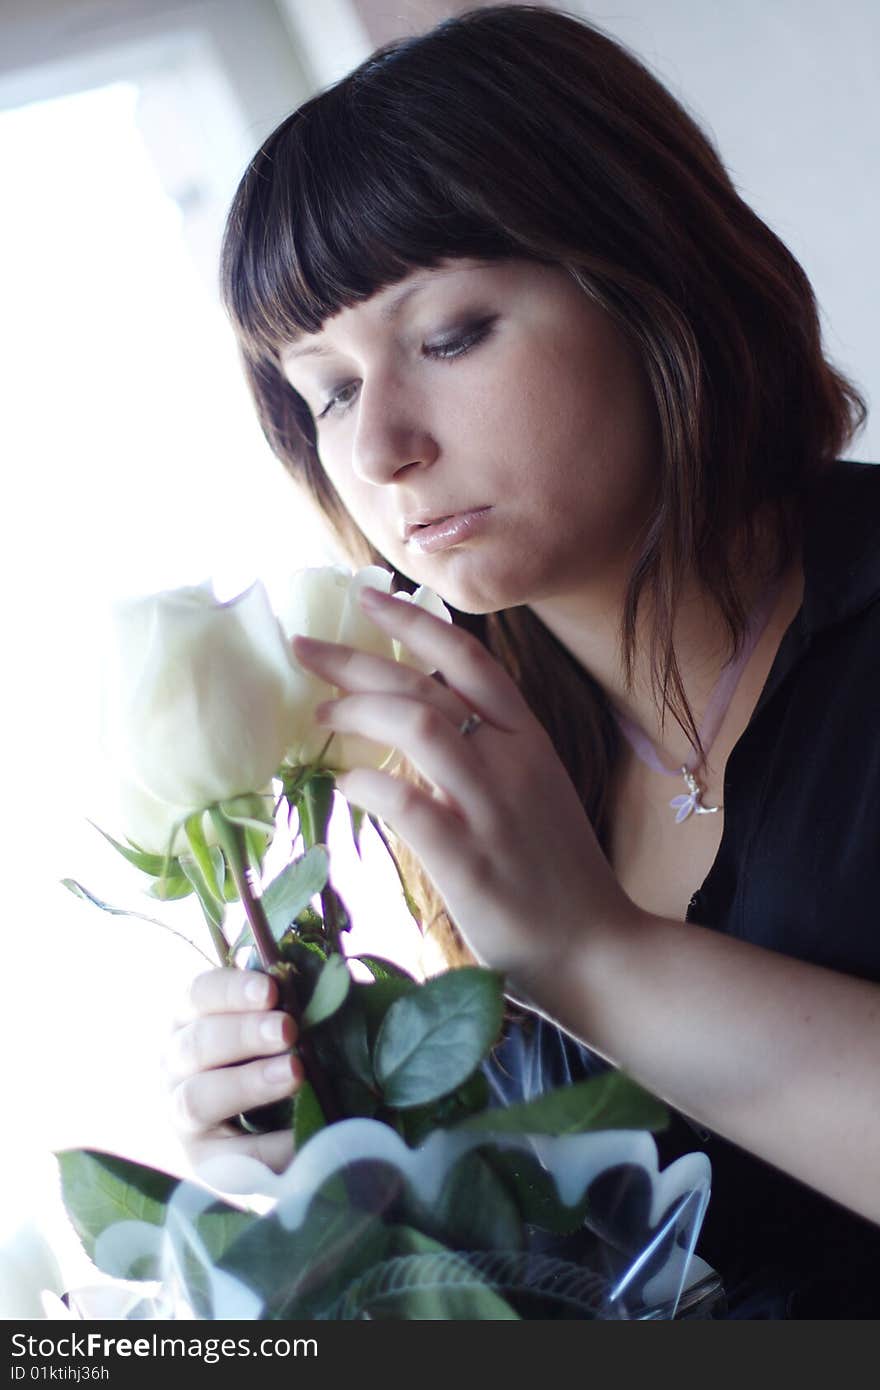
[[202, 703], [322, 603], [150, 823], [28, 1268]]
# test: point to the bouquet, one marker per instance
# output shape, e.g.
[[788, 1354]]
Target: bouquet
[[410, 1194]]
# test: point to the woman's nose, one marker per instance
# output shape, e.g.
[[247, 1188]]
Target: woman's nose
[[391, 434]]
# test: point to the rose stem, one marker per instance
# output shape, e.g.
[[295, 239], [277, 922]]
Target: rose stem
[[232, 841]]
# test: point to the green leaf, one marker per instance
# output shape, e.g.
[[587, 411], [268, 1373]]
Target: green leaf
[[291, 892], [256, 842], [376, 999], [609, 1101], [444, 1113], [432, 1040], [329, 993], [382, 969], [79, 891], [412, 905], [343, 918], [220, 1225], [218, 864], [535, 1191], [309, 926], [308, 1117], [100, 1189], [230, 889], [300, 1272], [355, 1099], [152, 864], [213, 910], [210, 862], [216, 1228], [168, 890], [356, 816], [421, 1281], [351, 1037], [475, 1209], [315, 804], [251, 812], [307, 956]]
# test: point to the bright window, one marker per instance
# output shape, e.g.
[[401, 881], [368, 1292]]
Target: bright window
[[133, 462]]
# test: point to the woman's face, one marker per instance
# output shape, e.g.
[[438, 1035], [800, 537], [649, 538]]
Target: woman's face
[[496, 388]]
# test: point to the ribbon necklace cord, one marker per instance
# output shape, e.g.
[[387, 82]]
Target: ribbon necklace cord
[[719, 703]]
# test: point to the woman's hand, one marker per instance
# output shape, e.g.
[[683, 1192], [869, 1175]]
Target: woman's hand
[[503, 836], [229, 1052]]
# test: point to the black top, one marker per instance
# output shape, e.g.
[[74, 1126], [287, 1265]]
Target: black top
[[797, 871]]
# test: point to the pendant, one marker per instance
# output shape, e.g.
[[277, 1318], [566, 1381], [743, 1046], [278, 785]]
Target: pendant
[[685, 805]]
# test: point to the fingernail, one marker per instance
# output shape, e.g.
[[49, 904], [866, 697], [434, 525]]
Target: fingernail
[[368, 596], [278, 1070], [274, 1029], [256, 990]]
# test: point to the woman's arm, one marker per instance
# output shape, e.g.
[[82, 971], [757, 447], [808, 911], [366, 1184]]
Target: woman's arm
[[779, 1056]]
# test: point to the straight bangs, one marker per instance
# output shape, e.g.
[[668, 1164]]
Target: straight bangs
[[334, 207]]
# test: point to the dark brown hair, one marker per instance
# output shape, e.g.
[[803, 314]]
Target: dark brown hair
[[516, 130]]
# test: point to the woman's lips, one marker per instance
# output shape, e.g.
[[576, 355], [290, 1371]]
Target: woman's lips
[[449, 531]]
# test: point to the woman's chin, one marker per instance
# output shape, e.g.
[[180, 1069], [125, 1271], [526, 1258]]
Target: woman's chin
[[480, 598], [472, 581]]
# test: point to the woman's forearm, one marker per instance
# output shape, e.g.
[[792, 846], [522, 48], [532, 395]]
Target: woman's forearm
[[779, 1056]]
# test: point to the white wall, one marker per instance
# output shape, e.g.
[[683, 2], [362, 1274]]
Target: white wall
[[48, 47], [789, 91]]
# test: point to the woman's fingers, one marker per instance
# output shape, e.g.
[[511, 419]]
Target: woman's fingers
[[465, 664], [225, 991], [356, 671], [425, 735], [218, 1040], [202, 1102], [275, 1149], [230, 1052]]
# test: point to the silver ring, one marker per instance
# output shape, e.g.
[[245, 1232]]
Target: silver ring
[[468, 725]]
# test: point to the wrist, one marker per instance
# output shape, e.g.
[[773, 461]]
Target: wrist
[[581, 967]]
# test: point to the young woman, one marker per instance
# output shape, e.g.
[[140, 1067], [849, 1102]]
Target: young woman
[[507, 321]]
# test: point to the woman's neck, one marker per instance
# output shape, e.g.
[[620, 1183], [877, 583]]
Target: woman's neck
[[588, 625]]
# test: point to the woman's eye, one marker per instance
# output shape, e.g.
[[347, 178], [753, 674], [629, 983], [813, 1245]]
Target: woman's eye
[[337, 400], [460, 343], [449, 348]]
